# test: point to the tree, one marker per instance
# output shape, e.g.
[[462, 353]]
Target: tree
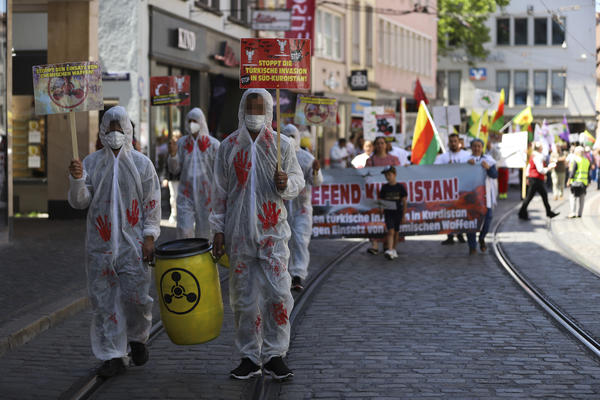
[[461, 26]]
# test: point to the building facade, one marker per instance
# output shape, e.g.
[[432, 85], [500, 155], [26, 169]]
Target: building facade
[[541, 54]]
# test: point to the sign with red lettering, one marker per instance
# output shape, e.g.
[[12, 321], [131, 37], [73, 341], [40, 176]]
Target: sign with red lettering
[[441, 199], [170, 90], [303, 19], [275, 64]]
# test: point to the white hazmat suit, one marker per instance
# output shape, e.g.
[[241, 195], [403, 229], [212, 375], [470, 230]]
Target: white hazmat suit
[[194, 159], [123, 196], [300, 209], [250, 211]]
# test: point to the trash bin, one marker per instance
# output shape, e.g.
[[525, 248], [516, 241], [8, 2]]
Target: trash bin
[[187, 283]]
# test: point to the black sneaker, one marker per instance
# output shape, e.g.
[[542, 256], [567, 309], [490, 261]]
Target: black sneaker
[[139, 353], [450, 240], [277, 369], [111, 368], [482, 245], [552, 214], [461, 238], [297, 283], [523, 216], [246, 370]]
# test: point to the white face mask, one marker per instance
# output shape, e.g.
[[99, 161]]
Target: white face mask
[[254, 122], [194, 127], [115, 139]]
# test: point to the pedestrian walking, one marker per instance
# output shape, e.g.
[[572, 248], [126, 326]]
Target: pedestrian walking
[[558, 173], [299, 211], [249, 218], [455, 155], [579, 177], [339, 155], [192, 158], [491, 193], [536, 174], [393, 213], [120, 188]]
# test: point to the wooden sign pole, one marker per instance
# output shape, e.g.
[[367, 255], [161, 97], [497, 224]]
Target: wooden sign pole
[[74, 135], [278, 133]]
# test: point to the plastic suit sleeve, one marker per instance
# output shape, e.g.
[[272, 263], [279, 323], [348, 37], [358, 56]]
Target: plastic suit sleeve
[[316, 180], [80, 191], [151, 202], [219, 194], [295, 182]]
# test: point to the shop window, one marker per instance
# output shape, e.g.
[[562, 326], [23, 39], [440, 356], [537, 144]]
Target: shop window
[[329, 35], [540, 87], [502, 31], [559, 82], [521, 83], [454, 87], [503, 82], [520, 31], [558, 31], [540, 31]]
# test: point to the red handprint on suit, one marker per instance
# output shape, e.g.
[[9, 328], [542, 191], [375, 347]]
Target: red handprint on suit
[[257, 323], [203, 143], [271, 215], [280, 314], [189, 145], [133, 216], [103, 227], [242, 166]]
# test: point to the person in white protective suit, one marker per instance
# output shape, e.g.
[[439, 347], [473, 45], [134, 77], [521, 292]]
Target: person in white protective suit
[[193, 155], [300, 211], [249, 218], [121, 188]]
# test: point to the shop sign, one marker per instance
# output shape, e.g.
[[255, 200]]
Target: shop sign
[[318, 111], [271, 20], [275, 63], [170, 90], [477, 74], [358, 80], [186, 40], [226, 56]]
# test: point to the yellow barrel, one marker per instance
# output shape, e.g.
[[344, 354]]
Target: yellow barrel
[[187, 283]]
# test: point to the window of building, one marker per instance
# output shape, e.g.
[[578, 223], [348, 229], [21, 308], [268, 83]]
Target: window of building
[[356, 33], [520, 31], [440, 84], [502, 31], [239, 10], [521, 83], [454, 87], [540, 31], [380, 47], [540, 87], [208, 3], [369, 33], [503, 82], [558, 31], [559, 81], [329, 35], [388, 43]]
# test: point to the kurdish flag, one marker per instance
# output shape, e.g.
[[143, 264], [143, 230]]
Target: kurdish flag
[[484, 125], [524, 117], [498, 120], [473, 124], [586, 138], [425, 145]]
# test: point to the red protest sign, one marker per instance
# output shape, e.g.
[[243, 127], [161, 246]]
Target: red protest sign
[[275, 64], [170, 91]]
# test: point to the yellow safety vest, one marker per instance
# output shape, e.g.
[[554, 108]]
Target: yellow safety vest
[[583, 168]]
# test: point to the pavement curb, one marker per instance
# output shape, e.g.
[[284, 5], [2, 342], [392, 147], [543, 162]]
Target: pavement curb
[[45, 322]]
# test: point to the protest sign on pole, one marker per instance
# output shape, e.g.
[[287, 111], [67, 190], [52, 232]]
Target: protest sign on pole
[[318, 111], [68, 88], [275, 64], [170, 91], [370, 121], [441, 199], [513, 149]]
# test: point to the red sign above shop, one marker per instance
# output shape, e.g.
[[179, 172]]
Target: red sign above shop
[[303, 19], [275, 64], [170, 91]]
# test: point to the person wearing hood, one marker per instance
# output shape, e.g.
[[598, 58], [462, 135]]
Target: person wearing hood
[[249, 219], [193, 157], [300, 211], [121, 190]]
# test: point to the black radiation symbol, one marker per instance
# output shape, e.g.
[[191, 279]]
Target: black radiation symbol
[[179, 290]]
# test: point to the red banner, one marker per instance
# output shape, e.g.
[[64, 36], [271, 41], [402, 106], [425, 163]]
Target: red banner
[[275, 64], [303, 19], [170, 91]]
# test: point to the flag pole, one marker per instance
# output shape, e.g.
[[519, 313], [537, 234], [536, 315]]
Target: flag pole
[[278, 133], [437, 135]]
